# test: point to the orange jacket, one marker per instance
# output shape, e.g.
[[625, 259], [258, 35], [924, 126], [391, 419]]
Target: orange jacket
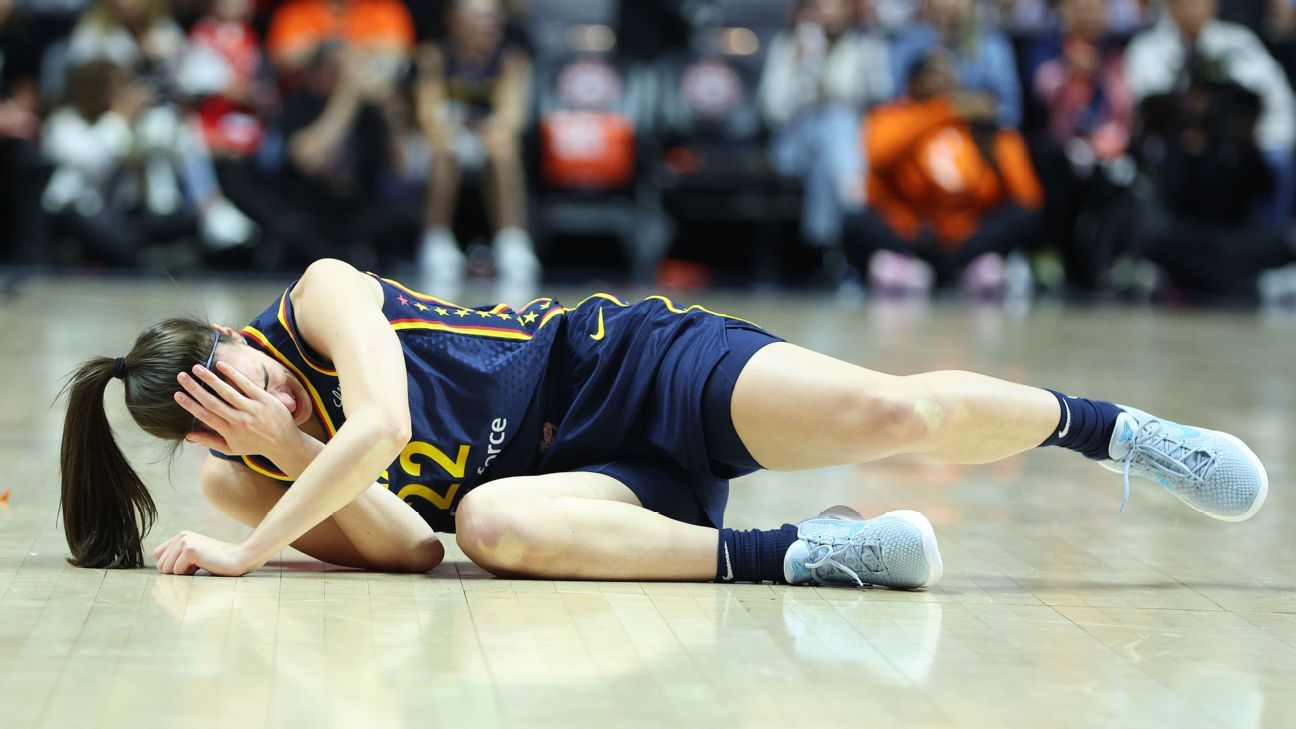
[[370, 24], [925, 169]]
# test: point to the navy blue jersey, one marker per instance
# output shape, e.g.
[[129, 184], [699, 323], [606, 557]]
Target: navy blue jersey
[[495, 392], [473, 377]]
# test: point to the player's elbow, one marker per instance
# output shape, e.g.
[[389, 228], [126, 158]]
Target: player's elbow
[[388, 431], [416, 558], [396, 430]]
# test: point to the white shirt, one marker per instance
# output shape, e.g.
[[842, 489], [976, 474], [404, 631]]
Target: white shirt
[[854, 71], [93, 148], [1154, 65]]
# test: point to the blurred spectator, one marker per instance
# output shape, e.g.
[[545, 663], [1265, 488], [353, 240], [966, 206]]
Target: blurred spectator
[[1079, 80], [890, 16], [1190, 41], [817, 79], [341, 131], [93, 192], [1126, 17], [222, 77], [220, 71], [984, 57], [948, 186], [298, 27], [1034, 17], [1201, 149], [135, 34], [19, 125], [472, 99], [146, 44]]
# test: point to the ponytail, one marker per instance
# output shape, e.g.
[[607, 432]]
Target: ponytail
[[106, 508]]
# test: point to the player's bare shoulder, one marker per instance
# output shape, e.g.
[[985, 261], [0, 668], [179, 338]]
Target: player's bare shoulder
[[328, 277]]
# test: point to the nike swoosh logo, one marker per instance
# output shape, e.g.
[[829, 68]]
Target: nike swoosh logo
[[1067, 427], [596, 336], [728, 565]]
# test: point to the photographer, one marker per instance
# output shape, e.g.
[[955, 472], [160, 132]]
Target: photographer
[[340, 133], [1198, 147], [1158, 62]]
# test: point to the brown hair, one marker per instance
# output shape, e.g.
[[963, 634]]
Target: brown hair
[[106, 507], [103, 17], [91, 87]]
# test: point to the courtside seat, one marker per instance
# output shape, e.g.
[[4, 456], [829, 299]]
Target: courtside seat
[[715, 163], [593, 133]]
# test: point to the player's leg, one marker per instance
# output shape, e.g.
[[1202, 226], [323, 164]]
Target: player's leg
[[591, 526], [793, 408], [578, 525], [796, 409]]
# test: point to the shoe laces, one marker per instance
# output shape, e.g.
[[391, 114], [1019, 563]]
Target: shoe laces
[[833, 556], [1167, 454]]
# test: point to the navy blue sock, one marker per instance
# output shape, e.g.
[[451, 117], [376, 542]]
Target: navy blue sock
[[753, 556], [1084, 426]]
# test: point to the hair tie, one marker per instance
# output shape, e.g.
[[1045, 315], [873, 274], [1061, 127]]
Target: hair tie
[[119, 370]]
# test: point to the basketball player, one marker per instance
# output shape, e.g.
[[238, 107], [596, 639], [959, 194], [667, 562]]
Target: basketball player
[[592, 442]]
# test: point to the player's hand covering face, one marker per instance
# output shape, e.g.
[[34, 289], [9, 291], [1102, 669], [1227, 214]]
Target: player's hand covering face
[[245, 419]]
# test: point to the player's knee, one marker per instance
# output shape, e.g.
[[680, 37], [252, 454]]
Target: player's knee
[[491, 531]]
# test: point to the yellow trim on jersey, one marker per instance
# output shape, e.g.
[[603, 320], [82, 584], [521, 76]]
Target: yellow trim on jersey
[[418, 294], [319, 402], [276, 476], [533, 302], [470, 330], [550, 315], [599, 295], [283, 321], [671, 306]]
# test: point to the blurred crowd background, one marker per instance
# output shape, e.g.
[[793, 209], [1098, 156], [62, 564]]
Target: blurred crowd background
[[1002, 148]]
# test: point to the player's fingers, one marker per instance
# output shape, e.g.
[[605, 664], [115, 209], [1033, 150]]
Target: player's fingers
[[209, 441], [186, 562], [159, 549], [168, 560], [205, 416], [248, 387], [195, 390], [224, 390]]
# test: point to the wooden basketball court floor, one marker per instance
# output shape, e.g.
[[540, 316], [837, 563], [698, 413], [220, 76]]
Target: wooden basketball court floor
[[1055, 611]]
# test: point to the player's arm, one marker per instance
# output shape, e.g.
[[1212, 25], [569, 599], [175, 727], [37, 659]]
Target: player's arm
[[339, 312], [374, 532]]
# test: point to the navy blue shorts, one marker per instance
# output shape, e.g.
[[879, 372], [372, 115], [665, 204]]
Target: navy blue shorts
[[729, 457], [697, 494]]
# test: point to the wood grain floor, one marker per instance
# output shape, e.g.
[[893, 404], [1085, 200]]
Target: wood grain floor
[[1055, 611]]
